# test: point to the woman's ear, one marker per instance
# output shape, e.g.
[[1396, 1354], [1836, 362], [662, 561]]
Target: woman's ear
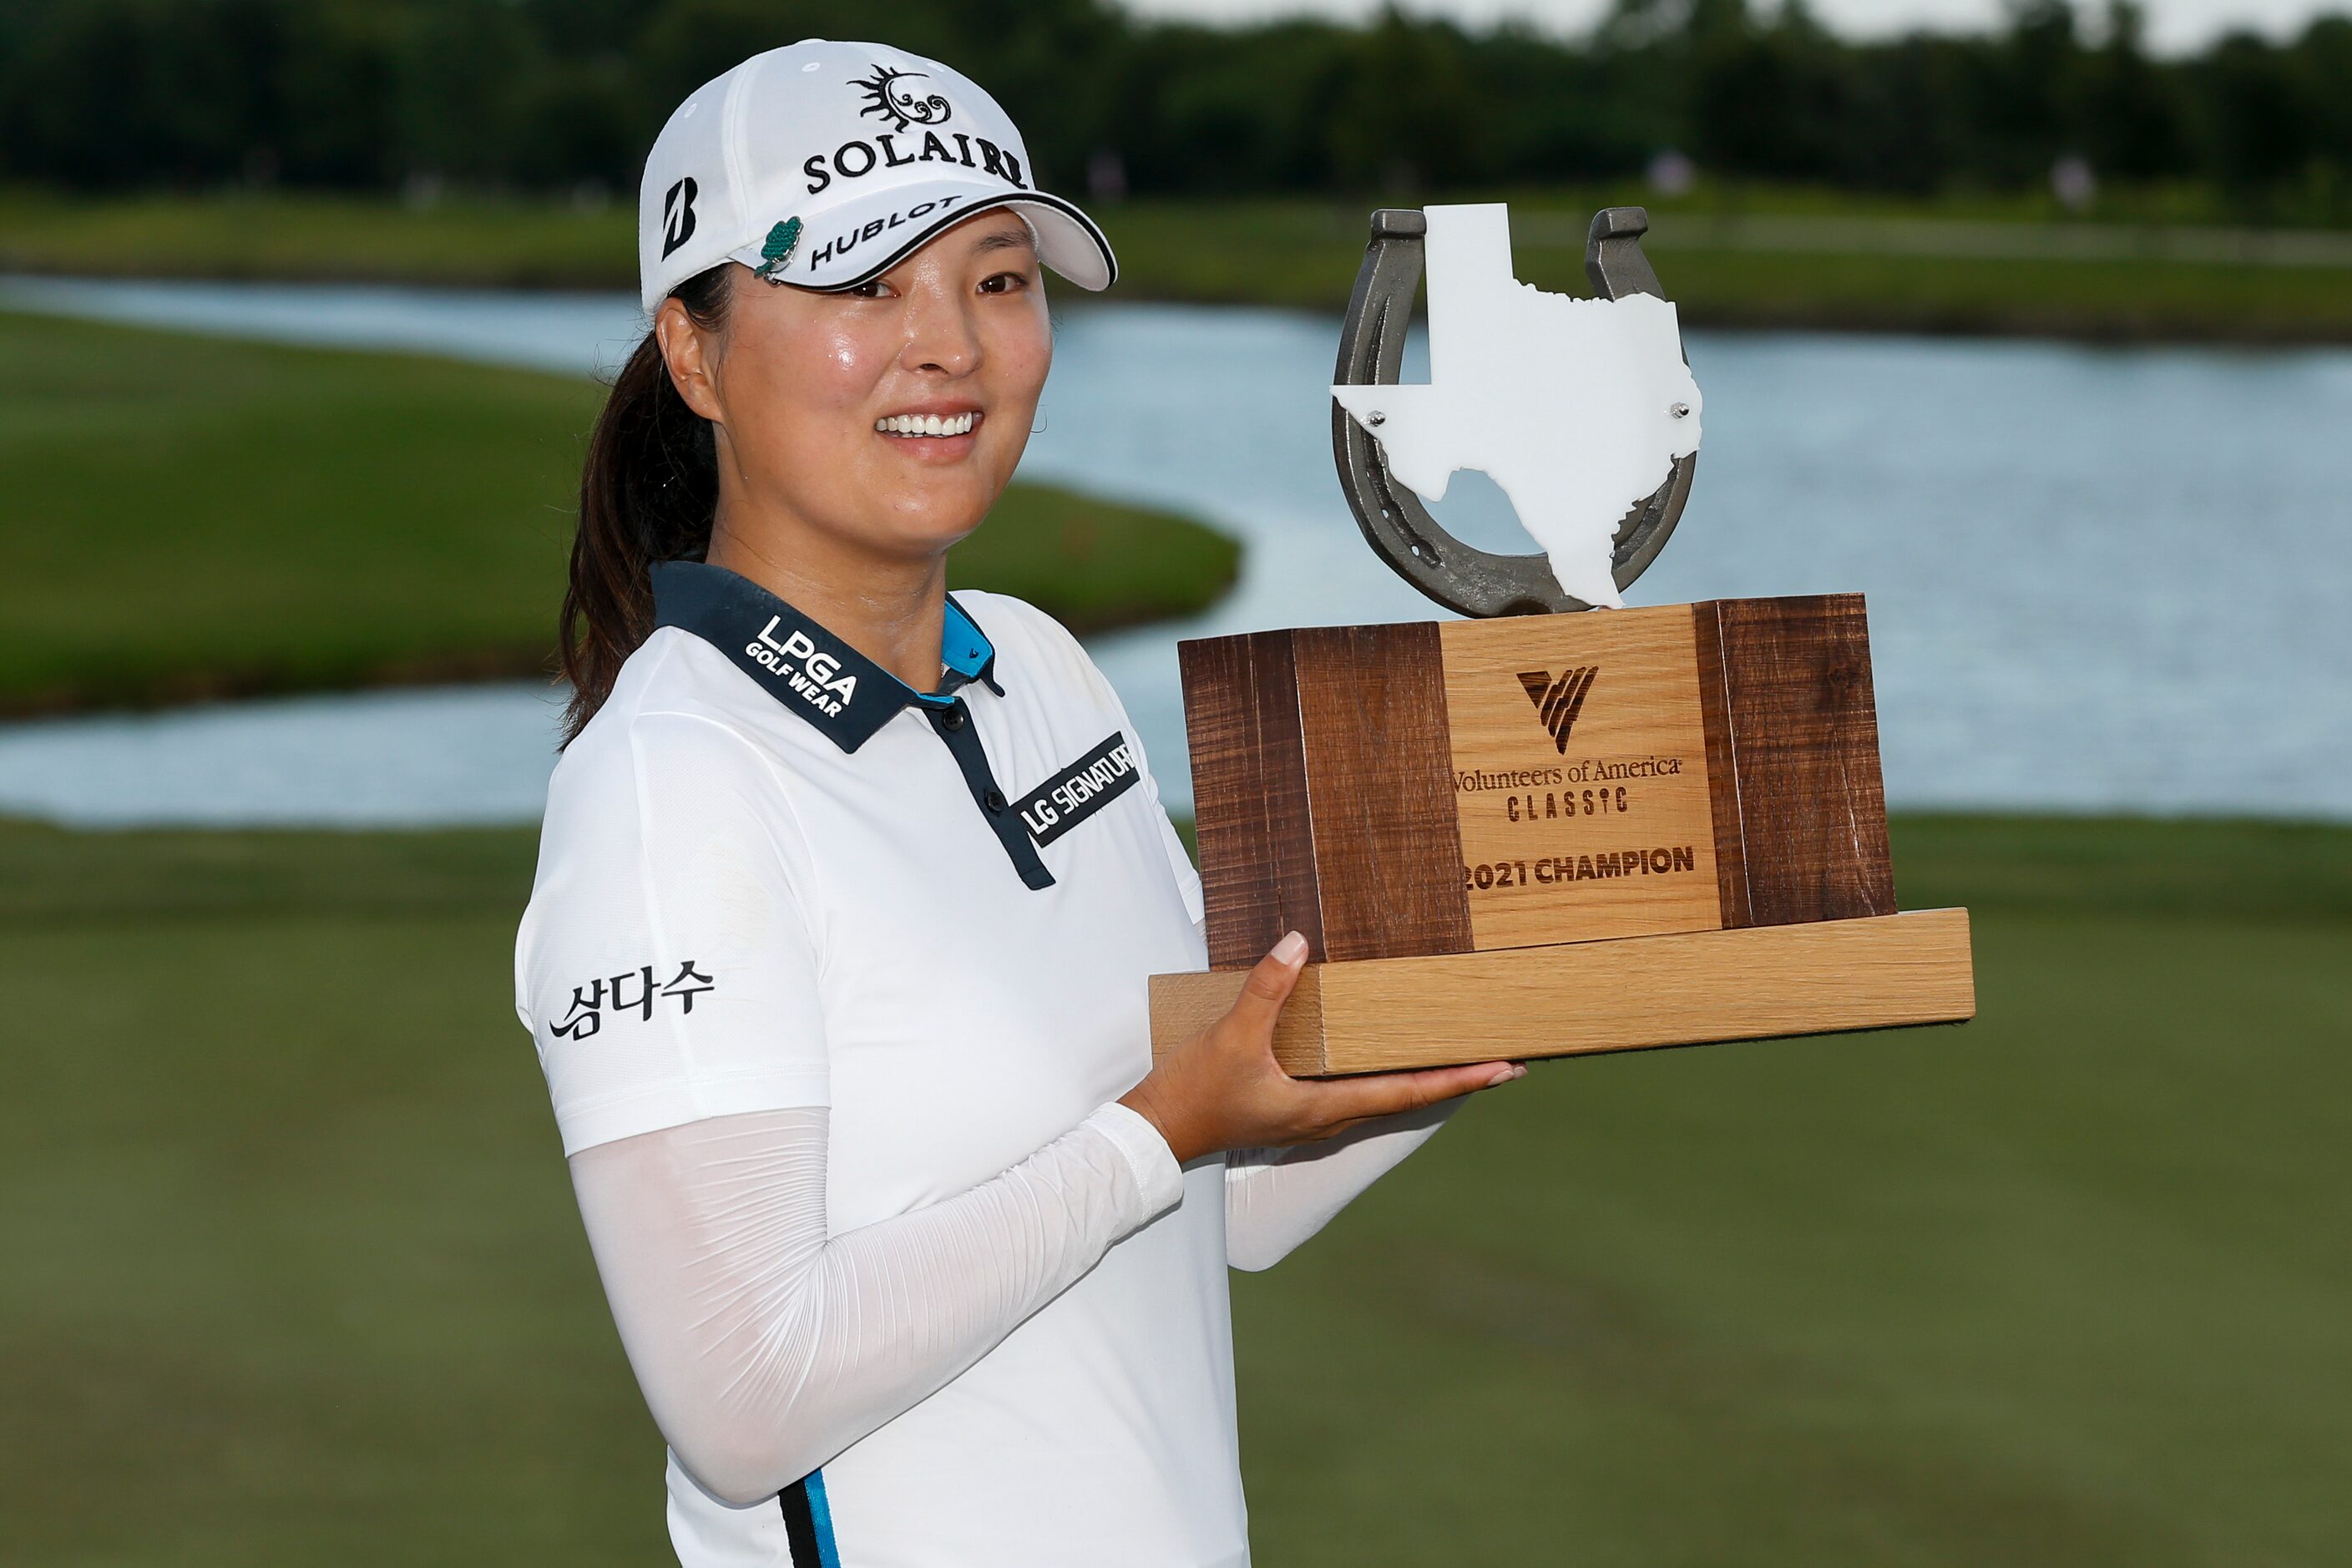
[[691, 356]]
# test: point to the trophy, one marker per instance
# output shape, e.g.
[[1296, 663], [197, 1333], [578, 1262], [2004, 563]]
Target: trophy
[[1558, 827]]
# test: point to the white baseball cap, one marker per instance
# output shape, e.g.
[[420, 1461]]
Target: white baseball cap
[[826, 163]]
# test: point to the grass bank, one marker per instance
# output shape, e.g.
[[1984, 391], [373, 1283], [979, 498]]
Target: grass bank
[[185, 517], [1764, 258], [1867, 274], [293, 1259]]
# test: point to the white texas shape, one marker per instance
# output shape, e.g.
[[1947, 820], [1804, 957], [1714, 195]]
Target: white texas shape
[[1568, 405]]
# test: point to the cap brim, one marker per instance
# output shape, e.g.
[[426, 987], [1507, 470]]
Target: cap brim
[[1067, 240]]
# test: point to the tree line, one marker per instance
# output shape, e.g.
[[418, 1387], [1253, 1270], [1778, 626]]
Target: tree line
[[565, 95]]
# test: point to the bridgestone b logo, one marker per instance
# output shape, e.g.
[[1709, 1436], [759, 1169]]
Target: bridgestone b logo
[[1558, 702], [677, 214]]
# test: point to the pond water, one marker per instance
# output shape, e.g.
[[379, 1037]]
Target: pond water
[[2099, 579]]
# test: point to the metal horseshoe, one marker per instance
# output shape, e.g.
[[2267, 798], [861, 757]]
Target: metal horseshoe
[[1462, 577]]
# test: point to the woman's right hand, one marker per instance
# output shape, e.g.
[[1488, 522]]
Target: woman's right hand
[[1223, 1089]]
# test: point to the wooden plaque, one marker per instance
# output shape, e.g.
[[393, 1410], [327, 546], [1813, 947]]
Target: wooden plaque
[[1580, 778], [1579, 998], [1418, 789]]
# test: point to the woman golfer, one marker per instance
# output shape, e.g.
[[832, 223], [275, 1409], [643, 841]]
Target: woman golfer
[[848, 888]]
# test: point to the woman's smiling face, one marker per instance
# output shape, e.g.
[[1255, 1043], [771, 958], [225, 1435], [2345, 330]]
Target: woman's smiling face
[[819, 398]]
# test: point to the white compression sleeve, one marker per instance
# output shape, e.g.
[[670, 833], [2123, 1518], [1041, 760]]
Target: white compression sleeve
[[764, 1346], [1277, 1198]]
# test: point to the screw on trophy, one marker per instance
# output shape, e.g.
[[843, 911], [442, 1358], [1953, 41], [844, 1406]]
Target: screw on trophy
[[1539, 833]]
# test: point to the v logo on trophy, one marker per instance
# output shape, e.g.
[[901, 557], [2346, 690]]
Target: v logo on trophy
[[1692, 850], [1559, 700]]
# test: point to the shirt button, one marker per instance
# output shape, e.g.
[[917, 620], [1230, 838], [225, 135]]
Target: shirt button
[[994, 800], [953, 718]]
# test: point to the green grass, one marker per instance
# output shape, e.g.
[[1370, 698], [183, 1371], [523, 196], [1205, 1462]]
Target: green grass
[[495, 244], [293, 1265], [1306, 256], [184, 516], [1293, 252]]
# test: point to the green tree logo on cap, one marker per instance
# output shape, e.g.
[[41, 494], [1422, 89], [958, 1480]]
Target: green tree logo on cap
[[782, 240]]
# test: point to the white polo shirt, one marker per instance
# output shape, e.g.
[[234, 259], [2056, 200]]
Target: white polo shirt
[[774, 875]]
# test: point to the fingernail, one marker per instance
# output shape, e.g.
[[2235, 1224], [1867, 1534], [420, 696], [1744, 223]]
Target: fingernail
[[1505, 1075], [1290, 949]]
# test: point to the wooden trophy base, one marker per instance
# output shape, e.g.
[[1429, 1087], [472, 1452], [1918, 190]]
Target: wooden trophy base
[[1624, 994], [1400, 791], [1545, 834]]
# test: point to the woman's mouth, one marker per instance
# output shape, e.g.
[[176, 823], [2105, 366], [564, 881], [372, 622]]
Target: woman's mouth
[[928, 424]]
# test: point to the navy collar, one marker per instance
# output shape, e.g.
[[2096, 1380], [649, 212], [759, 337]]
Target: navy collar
[[803, 666]]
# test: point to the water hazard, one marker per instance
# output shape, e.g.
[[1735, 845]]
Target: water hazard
[[2099, 579]]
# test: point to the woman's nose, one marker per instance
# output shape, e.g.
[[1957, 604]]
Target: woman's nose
[[939, 335]]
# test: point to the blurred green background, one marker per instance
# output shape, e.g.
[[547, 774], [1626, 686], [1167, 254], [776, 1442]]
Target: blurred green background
[[295, 1275], [2053, 172], [298, 519]]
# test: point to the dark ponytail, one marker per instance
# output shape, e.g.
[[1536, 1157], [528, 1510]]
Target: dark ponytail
[[647, 493]]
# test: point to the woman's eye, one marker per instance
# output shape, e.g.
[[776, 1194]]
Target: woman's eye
[[869, 290], [1003, 282]]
